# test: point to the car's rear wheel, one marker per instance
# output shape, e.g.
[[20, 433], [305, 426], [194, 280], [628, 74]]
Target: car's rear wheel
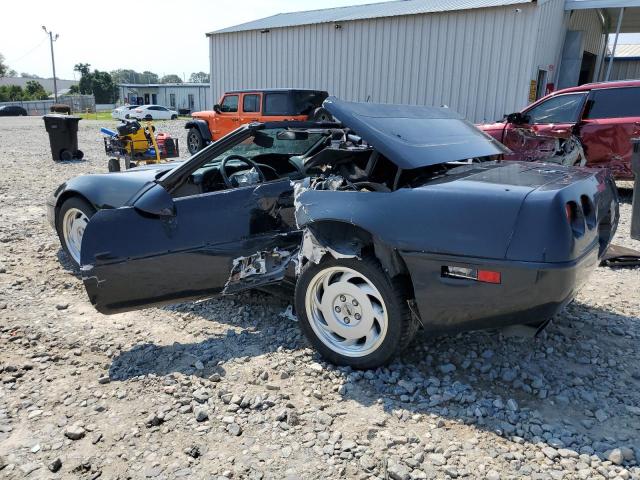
[[174, 117], [194, 141], [352, 313], [71, 221]]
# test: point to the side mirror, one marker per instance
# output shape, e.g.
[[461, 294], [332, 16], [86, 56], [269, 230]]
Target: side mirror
[[157, 202], [216, 108], [518, 118]]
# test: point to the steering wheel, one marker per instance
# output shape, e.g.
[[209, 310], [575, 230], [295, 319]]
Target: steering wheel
[[245, 160]]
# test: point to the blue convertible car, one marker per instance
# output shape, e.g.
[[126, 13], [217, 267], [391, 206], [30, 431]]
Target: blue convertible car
[[390, 219]]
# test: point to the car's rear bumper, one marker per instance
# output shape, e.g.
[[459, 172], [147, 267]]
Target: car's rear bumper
[[529, 293]]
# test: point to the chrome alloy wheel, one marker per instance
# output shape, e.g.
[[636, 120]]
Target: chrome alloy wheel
[[73, 225], [346, 311]]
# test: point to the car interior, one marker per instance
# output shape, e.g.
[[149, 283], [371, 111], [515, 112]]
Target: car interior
[[335, 158]]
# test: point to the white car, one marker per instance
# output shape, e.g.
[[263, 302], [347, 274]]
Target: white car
[[123, 112], [154, 112]]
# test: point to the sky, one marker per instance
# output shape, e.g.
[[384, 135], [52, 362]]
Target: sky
[[163, 36]]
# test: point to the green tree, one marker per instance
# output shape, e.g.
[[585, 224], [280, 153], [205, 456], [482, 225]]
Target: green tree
[[103, 87], [3, 66], [35, 91], [147, 77], [11, 93], [86, 78], [98, 83], [171, 78], [199, 77], [12, 73]]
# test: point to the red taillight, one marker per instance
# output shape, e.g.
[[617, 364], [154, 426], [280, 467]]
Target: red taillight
[[569, 211], [489, 276], [466, 273]]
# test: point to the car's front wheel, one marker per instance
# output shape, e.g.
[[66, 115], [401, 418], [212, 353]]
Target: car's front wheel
[[194, 141], [71, 221], [352, 313]]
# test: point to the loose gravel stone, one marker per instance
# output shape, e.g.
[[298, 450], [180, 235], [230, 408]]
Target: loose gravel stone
[[473, 405]]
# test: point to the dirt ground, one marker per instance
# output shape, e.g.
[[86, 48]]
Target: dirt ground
[[228, 388]]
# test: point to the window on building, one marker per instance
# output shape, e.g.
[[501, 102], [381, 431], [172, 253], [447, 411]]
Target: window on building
[[560, 109], [251, 103], [192, 101], [172, 100], [229, 104], [614, 103], [276, 104]]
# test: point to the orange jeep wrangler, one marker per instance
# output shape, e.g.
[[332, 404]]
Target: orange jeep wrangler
[[245, 106]]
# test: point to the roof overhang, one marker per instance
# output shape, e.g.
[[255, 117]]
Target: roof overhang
[[611, 10]]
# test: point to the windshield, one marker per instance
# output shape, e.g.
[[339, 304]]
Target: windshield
[[250, 149]]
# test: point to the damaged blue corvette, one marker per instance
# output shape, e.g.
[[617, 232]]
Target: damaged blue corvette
[[390, 219]]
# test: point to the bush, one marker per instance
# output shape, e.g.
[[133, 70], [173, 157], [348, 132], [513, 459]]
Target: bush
[[60, 108]]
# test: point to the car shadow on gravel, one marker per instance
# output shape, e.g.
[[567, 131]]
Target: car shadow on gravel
[[564, 388], [568, 388], [255, 328]]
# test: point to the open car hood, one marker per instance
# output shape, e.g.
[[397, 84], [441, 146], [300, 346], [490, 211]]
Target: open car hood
[[414, 136]]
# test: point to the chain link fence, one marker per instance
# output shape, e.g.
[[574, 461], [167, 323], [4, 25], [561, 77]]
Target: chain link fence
[[77, 103]]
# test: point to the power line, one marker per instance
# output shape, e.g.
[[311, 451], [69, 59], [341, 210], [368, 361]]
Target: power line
[[10, 62]]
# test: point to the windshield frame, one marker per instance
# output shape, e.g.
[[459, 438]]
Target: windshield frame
[[180, 174]]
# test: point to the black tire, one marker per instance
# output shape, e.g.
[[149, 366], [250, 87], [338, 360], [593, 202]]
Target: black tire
[[174, 117], [114, 165], [72, 202], [66, 155], [195, 142], [79, 155], [321, 114], [127, 116], [401, 327]]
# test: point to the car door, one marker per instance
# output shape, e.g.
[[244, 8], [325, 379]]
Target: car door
[[250, 112], [549, 119], [162, 249], [227, 119], [611, 119]]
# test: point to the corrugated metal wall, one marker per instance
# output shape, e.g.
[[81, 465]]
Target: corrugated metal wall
[[589, 22], [625, 70], [550, 38], [478, 62]]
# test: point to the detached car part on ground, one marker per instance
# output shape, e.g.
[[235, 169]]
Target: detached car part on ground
[[386, 222]]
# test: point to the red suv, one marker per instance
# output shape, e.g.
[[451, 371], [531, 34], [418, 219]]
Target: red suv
[[599, 119]]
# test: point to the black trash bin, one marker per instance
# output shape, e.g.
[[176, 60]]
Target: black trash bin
[[635, 209], [63, 136]]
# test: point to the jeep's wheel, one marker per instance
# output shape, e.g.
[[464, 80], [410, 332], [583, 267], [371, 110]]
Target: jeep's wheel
[[352, 313], [194, 141], [321, 114], [71, 221]]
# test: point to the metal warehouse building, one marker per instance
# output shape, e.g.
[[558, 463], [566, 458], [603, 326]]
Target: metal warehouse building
[[178, 96], [626, 63], [483, 58]]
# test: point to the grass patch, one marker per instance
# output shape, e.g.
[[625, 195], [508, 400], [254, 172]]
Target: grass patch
[[95, 116]]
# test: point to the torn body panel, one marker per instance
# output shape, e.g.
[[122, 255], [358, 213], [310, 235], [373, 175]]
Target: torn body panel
[[258, 269], [526, 144]]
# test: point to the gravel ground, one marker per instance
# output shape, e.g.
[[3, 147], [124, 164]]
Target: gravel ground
[[227, 388]]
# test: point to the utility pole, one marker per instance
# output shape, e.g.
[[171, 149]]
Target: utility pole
[[52, 39]]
